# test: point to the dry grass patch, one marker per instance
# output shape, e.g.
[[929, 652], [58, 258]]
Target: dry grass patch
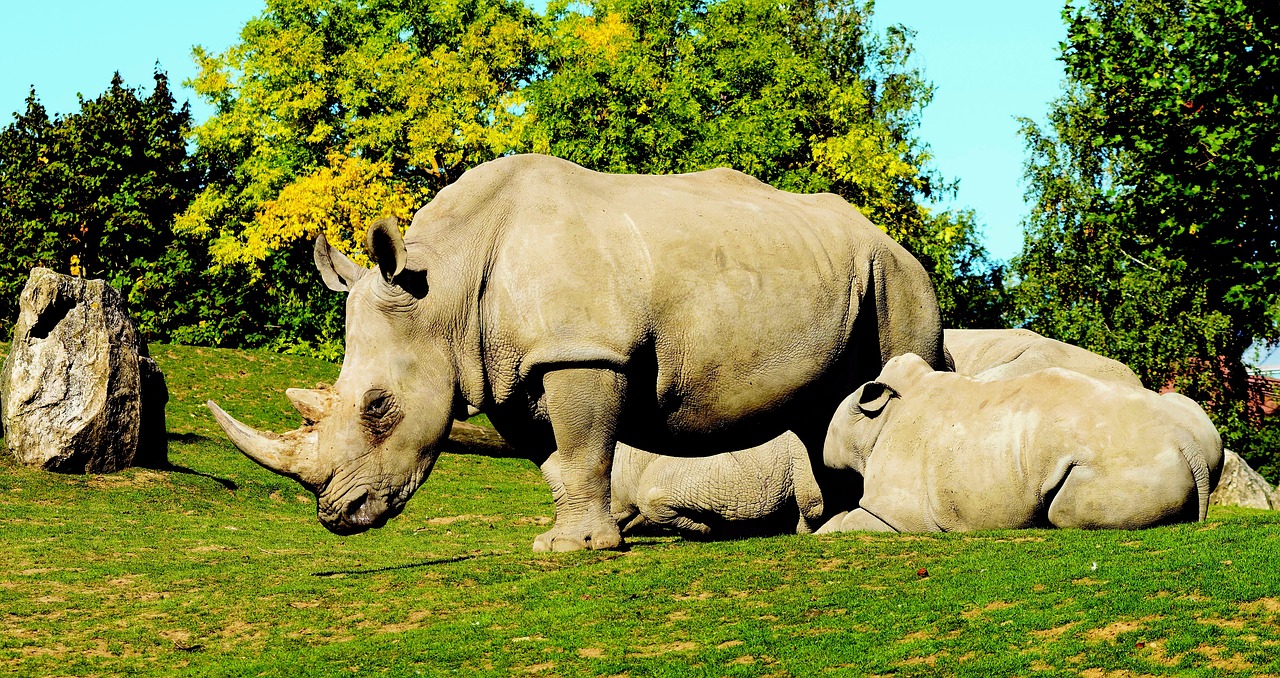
[[1053, 633], [926, 660], [659, 650], [1113, 630], [1230, 662], [1267, 604], [974, 613]]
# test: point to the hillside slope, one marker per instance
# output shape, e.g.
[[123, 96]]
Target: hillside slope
[[217, 567]]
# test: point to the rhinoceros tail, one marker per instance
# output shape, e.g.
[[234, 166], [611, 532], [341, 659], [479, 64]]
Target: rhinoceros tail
[[1199, 471]]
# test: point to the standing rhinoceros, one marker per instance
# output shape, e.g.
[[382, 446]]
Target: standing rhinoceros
[[693, 314], [940, 451]]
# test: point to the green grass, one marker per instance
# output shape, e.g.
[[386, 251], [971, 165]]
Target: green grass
[[221, 568]]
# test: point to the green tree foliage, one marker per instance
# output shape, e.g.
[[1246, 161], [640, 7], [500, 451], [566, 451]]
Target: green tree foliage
[[93, 192], [1154, 235], [413, 94], [404, 93], [801, 95], [425, 89]]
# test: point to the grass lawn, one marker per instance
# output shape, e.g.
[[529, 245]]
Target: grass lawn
[[220, 568]]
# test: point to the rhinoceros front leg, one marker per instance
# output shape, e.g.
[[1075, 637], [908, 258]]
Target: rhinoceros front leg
[[583, 405]]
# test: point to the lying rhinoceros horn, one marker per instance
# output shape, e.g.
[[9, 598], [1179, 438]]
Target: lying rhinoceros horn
[[291, 454]]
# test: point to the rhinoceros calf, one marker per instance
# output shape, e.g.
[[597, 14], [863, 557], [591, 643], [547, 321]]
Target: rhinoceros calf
[[941, 451], [693, 314], [988, 355], [763, 490]]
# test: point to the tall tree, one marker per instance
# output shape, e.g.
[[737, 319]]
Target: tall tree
[[406, 93], [1154, 236], [801, 95], [93, 192], [329, 115]]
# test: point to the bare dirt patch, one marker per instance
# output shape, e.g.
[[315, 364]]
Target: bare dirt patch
[[591, 652], [132, 478]]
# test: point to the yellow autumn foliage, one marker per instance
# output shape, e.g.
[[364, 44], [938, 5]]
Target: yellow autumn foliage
[[339, 200]]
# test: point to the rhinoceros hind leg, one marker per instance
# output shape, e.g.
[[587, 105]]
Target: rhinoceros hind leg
[[1133, 498], [662, 507]]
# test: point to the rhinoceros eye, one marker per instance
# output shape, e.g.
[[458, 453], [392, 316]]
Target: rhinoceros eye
[[379, 412]]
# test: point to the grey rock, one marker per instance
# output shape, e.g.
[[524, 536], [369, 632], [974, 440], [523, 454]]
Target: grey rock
[[78, 391], [1240, 485]]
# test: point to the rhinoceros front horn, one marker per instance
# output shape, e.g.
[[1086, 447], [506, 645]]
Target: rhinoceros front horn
[[291, 454]]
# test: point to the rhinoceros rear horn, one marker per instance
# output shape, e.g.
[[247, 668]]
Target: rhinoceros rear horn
[[385, 246], [290, 455], [338, 271], [312, 403]]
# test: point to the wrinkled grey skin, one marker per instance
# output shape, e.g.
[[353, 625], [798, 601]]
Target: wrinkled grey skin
[[693, 314], [763, 490], [988, 355], [943, 452]]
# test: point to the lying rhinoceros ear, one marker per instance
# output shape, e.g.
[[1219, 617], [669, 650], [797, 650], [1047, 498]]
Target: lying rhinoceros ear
[[874, 397], [339, 272], [385, 246]]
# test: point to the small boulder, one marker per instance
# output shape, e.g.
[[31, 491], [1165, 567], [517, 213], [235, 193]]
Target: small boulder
[[78, 392], [1242, 486]]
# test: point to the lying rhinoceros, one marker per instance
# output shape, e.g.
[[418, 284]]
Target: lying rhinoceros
[[941, 451], [763, 490], [692, 314], [997, 354]]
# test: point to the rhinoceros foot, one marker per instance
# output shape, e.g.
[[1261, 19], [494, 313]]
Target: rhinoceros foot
[[597, 534]]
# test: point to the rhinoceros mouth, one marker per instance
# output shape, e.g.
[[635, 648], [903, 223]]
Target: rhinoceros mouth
[[359, 515]]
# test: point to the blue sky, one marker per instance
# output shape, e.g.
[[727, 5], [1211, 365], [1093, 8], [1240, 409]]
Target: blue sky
[[991, 60]]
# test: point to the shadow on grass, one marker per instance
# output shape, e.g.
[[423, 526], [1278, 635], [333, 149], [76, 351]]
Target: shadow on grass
[[229, 485], [410, 566]]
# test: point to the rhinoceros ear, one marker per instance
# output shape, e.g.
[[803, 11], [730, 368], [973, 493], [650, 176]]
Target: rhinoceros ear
[[385, 246], [339, 272], [873, 397]]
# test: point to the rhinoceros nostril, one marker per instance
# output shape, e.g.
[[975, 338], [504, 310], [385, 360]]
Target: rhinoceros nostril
[[354, 511]]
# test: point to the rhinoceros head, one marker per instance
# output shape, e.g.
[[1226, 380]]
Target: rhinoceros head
[[373, 438], [862, 416]]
